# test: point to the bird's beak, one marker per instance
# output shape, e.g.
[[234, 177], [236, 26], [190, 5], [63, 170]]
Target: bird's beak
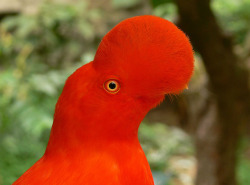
[[186, 87]]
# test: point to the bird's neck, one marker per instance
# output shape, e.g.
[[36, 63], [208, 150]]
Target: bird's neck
[[72, 134], [80, 126]]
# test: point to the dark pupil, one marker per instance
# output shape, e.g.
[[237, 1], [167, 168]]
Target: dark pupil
[[112, 85]]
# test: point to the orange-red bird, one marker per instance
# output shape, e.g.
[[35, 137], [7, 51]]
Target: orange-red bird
[[94, 138]]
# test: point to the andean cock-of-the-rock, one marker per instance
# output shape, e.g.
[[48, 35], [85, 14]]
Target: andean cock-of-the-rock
[[94, 137]]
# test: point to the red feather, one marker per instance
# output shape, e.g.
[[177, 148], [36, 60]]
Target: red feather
[[94, 138]]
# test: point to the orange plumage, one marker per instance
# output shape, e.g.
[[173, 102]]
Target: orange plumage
[[94, 139]]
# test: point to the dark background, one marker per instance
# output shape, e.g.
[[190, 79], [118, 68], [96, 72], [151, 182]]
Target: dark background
[[200, 137]]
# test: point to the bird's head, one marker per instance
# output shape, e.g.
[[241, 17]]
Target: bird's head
[[137, 63]]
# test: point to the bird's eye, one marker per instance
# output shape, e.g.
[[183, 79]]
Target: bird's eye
[[112, 86]]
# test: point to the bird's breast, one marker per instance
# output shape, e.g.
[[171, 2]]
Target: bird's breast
[[119, 163]]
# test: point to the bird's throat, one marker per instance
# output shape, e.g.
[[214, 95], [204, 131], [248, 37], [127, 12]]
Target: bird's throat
[[67, 136]]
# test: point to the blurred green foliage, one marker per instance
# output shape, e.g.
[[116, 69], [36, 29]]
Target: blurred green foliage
[[54, 37], [161, 142], [39, 51], [234, 16], [243, 167]]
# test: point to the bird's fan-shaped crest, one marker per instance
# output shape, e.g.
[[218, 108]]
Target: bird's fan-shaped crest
[[148, 48]]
